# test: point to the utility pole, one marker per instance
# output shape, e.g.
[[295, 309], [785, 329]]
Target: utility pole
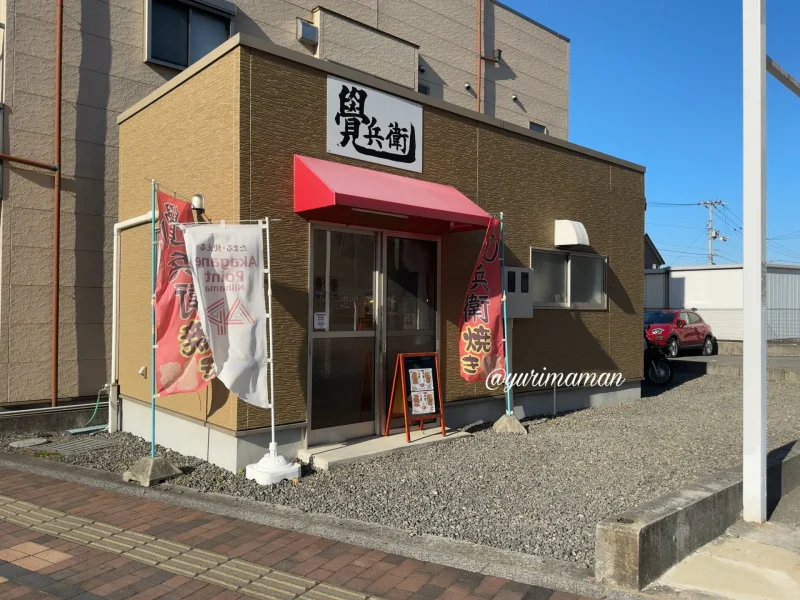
[[713, 234]]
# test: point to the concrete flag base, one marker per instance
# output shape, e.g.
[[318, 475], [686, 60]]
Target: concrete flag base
[[509, 424], [272, 469], [151, 471]]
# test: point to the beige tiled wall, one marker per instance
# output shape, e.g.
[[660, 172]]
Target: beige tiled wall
[[345, 41], [531, 181], [184, 156], [104, 74]]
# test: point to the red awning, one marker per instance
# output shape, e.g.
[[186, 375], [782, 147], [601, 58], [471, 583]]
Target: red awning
[[329, 191]]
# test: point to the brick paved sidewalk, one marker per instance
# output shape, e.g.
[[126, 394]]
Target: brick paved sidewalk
[[66, 540]]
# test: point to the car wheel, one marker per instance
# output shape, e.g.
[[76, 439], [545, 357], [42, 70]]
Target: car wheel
[[673, 347], [708, 346]]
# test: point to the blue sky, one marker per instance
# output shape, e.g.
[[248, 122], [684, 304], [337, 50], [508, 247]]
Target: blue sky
[[659, 83]]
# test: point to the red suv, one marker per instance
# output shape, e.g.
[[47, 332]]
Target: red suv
[[675, 330]]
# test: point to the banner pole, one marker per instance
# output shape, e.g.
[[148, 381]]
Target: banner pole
[[273, 446], [273, 467], [509, 408], [153, 267]]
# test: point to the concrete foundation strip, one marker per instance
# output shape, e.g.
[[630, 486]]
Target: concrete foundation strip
[[732, 370], [233, 573], [636, 547]]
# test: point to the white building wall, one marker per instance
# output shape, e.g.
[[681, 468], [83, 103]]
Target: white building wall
[[700, 287]]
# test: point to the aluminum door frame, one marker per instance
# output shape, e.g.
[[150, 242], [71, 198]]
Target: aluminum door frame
[[353, 430], [380, 396], [379, 291]]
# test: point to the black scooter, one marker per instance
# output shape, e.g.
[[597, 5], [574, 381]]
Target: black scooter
[[657, 367]]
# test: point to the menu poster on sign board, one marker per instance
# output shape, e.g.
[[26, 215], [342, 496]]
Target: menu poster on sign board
[[416, 391]]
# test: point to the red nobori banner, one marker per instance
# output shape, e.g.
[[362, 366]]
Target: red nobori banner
[[183, 356], [480, 344]]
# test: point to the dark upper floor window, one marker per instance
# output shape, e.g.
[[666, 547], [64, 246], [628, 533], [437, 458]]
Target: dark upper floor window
[[424, 89], [182, 32], [534, 126]]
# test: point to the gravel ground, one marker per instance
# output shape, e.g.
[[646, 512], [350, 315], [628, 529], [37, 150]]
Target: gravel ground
[[542, 493]]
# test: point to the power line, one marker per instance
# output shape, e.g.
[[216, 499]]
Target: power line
[[726, 258], [667, 225], [668, 204], [783, 250], [713, 234], [682, 253], [771, 243], [687, 248], [786, 236]]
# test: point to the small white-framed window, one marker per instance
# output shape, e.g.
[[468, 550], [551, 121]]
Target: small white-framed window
[[180, 32], [538, 127], [573, 280]]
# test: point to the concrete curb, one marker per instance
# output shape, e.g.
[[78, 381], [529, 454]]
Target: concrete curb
[[736, 349], [715, 368], [51, 419], [516, 566], [636, 547]]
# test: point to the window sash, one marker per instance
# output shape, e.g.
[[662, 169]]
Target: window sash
[[568, 257], [601, 275], [191, 7], [565, 257], [166, 15]]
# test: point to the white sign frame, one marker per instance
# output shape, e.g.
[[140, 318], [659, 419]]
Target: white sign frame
[[377, 126]]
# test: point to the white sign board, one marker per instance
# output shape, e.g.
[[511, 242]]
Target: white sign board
[[369, 125], [321, 321]]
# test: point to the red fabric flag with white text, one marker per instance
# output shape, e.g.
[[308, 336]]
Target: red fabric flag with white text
[[183, 356], [480, 343]]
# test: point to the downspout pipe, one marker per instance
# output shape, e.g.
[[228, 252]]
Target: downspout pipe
[[113, 396], [480, 50], [56, 202]]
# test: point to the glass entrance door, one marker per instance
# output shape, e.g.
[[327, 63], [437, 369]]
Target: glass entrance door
[[343, 340], [410, 301]]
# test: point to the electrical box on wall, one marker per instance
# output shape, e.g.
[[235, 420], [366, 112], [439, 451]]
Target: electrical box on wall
[[519, 292]]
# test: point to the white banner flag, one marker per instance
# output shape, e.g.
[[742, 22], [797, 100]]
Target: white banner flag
[[227, 263]]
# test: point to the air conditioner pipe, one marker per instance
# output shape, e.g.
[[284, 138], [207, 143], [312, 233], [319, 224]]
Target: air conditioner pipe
[[113, 394]]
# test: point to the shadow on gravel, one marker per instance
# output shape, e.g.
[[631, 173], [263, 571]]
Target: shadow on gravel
[[776, 484], [651, 391]]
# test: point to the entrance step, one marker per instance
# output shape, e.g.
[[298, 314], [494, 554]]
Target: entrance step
[[327, 456]]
